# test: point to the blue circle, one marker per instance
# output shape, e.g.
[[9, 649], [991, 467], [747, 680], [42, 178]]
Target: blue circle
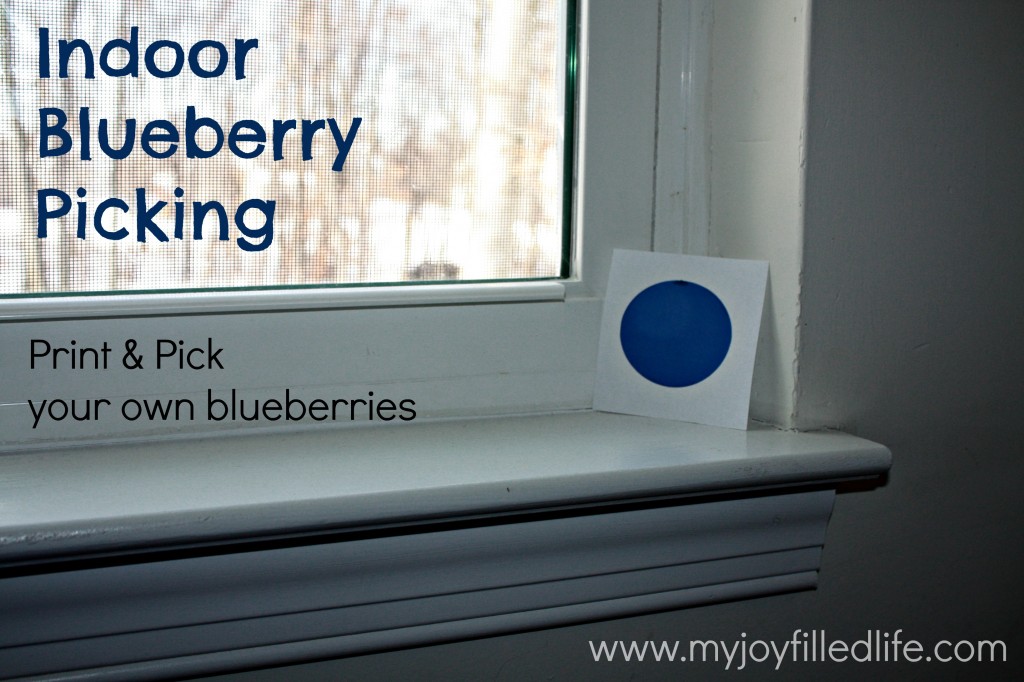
[[675, 333]]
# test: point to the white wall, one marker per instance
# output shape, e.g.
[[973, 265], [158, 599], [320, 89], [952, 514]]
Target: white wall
[[911, 333], [758, 99]]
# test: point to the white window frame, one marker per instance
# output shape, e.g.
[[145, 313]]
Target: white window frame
[[487, 526], [457, 350]]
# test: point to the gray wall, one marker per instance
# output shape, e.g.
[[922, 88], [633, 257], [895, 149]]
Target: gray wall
[[913, 309], [911, 332]]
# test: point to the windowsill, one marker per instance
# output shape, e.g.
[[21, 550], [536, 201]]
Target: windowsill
[[194, 557], [61, 503]]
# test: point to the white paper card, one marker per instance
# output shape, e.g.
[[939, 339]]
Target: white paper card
[[678, 337]]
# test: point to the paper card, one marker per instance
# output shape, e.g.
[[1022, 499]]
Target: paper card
[[678, 337]]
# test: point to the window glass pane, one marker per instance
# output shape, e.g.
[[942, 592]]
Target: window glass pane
[[359, 141]]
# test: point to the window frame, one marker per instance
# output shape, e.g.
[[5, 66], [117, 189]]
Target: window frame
[[414, 489], [458, 350]]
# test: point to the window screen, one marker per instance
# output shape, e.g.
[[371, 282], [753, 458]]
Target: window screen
[[281, 143]]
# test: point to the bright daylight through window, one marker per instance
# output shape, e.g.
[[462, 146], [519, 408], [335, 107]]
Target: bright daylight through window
[[152, 145]]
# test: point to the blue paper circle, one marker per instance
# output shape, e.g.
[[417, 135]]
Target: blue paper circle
[[675, 333]]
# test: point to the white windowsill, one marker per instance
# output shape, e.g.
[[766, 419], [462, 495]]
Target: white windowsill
[[193, 557], [70, 501]]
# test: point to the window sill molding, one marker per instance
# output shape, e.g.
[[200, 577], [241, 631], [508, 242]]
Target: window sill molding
[[262, 550]]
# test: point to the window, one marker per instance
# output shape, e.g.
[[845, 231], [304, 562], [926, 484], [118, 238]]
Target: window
[[589, 476], [456, 350], [154, 147]]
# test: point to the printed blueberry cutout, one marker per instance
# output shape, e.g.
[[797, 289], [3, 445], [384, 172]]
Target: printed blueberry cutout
[[675, 333]]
